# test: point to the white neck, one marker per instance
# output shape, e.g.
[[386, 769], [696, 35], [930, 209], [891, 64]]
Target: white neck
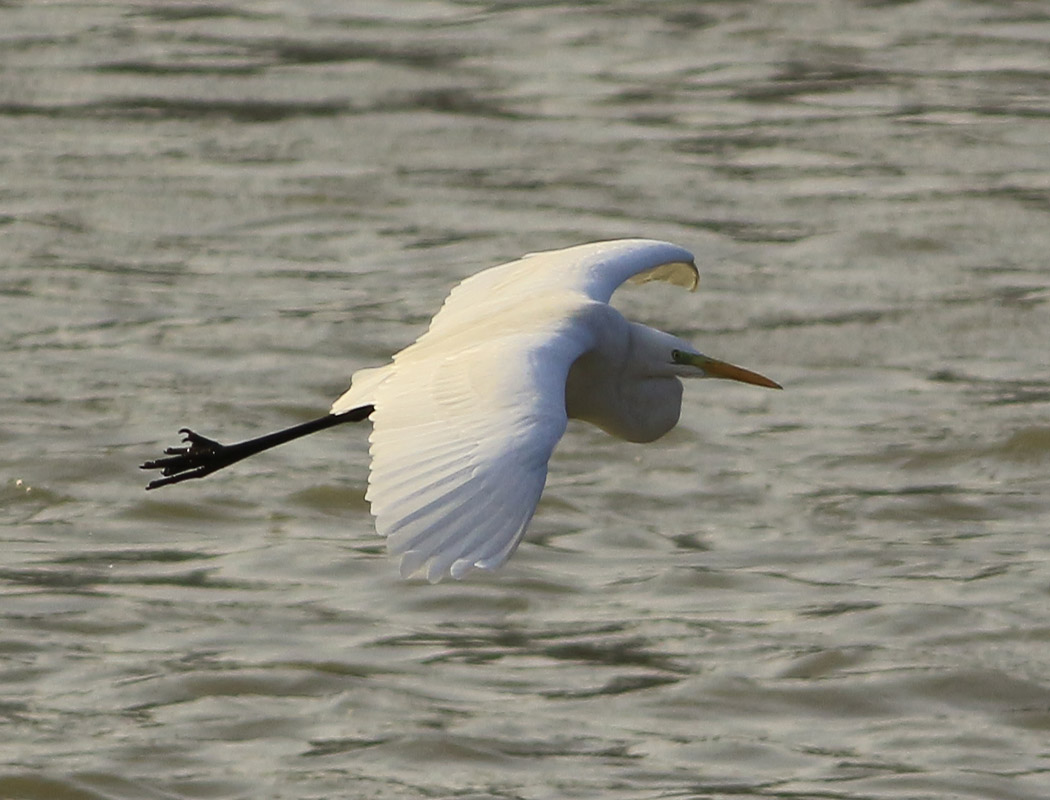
[[622, 386]]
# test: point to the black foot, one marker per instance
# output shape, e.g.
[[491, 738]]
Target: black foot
[[202, 457]]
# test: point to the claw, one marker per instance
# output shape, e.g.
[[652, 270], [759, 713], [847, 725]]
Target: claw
[[183, 463], [198, 442], [197, 473]]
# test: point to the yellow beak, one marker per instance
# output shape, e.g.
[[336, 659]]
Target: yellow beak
[[723, 369]]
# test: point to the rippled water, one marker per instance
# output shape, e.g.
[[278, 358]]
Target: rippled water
[[212, 214]]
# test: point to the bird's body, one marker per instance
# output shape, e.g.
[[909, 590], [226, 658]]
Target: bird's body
[[465, 419]]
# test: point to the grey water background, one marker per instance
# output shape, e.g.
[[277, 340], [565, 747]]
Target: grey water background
[[211, 214]]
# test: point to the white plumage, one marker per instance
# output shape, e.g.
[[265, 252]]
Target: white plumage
[[466, 418]]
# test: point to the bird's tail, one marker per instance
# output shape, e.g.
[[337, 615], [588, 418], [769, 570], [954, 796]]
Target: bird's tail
[[363, 386]]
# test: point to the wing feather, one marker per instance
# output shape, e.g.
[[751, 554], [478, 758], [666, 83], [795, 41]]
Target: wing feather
[[460, 442], [595, 269], [462, 534]]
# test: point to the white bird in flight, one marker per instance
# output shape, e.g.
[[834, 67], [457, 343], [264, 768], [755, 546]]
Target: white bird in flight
[[465, 419]]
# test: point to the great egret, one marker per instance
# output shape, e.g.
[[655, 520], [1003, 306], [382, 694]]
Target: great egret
[[465, 419]]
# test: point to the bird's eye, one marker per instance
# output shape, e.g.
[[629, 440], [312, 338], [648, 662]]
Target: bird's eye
[[676, 355]]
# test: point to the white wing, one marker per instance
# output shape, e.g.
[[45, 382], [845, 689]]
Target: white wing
[[460, 444], [595, 270], [466, 418]]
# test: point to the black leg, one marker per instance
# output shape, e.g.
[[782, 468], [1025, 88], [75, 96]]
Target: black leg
[[203, 456]]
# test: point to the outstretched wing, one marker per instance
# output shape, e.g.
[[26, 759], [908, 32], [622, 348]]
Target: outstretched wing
[[595, 270], [461, 437]]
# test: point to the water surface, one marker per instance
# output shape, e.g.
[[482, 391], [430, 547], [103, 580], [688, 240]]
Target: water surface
[[213, 214]]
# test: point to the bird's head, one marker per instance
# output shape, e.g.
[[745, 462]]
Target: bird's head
[[657, 354], [688, 363]]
